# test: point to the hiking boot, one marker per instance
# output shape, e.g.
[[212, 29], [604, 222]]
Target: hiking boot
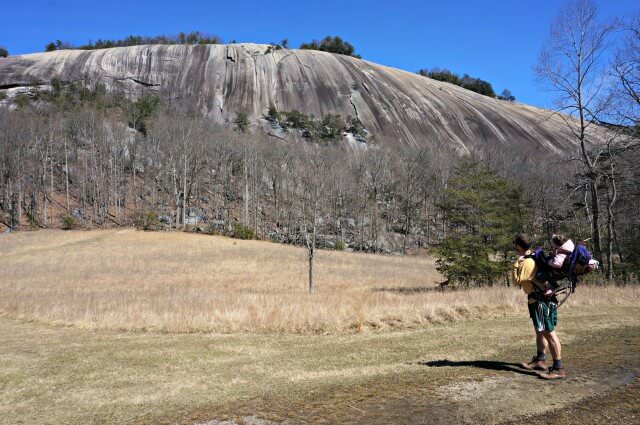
[[535, 364], [553, 374]]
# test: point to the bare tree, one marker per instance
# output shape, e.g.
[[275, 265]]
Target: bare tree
[[626, 69], [315, 167], [572, 66]]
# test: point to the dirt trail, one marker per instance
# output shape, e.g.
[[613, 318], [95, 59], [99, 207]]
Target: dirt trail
[[602, 387]]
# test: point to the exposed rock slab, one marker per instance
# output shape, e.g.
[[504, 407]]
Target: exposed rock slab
[[394, 105]]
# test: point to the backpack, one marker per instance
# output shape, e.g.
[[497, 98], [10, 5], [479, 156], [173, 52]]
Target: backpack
[[579, 262], [576, 264], [543, 271]]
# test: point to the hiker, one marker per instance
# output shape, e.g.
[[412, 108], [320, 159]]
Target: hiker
[[543, 310]]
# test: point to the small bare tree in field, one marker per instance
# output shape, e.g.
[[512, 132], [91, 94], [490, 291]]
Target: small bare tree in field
[[572, 65], [315, 175]]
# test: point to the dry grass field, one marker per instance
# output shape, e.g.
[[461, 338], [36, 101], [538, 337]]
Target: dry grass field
[[121, 326], [178, 282]]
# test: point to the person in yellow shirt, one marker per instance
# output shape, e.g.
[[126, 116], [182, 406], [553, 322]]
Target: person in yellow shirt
[[543, 310]]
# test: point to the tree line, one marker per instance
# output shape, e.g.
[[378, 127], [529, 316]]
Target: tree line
[[191, 38], [332, 44], [466, 81], [78, 156]]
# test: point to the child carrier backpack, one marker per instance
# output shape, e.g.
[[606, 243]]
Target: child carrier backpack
[[542, 268], [564, 280], [579, 262]]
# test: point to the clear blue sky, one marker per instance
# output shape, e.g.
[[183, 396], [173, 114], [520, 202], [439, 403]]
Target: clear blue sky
[[494, 40]]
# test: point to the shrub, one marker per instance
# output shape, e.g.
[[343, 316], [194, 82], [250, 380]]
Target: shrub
[[241, 121], [506, 95], [33, 222], [140, 112], [213, 230], [22, 100], [273, 114], [241, 231], [332, 126], [477, 85], [355, 126], [148, 220], [272, 48], [68, 222], [333, 45], [296, 119], [340, 245], [441, 75], [470, 83], [58, 45]]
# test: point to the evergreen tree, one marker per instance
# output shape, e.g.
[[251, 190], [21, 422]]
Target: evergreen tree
[[3, 52], [332, 45], [241, 121], [507, 95], [484, 211]]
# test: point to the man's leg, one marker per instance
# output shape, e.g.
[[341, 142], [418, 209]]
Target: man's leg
[[538, 362], [541, 344], [554, 344], [557, 370]]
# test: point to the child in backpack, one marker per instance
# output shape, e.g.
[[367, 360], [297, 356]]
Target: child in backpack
[[562, 248], [562, 253]]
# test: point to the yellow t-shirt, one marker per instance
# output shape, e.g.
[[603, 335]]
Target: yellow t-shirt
[[523, 272]]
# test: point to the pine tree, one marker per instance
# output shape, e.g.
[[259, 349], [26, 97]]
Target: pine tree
[[484, 211]]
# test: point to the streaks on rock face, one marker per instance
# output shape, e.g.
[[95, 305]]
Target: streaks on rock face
[[394, 105]]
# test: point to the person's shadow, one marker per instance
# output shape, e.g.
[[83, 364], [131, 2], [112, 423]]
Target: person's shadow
[[481, 364]]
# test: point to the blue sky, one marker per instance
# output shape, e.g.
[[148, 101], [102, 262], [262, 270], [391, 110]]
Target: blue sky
[[494, 40]]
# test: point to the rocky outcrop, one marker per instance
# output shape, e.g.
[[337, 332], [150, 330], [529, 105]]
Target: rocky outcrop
[[395, 106]]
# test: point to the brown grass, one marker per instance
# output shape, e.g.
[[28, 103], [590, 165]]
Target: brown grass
[[176, 282]]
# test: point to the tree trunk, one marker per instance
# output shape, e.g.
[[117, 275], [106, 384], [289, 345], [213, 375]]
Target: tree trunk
[[245, 177], [595, 215], [611, 200], [66, 174], [184, 193], [311, 245]]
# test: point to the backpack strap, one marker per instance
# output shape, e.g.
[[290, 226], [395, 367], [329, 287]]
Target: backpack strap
[[542, 271], [572, 263]]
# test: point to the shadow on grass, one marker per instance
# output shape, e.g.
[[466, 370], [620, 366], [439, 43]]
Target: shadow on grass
[[481, 364]]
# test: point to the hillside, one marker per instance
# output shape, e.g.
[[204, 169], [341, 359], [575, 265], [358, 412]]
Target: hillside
[[393, 105]]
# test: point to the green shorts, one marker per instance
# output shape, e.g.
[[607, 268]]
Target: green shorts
[[544, 315]]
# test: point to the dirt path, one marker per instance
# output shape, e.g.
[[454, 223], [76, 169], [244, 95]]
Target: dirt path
[[460, 372], [603, 387]]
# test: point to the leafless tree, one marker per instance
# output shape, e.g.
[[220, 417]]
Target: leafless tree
[[572, 66], [315, 168], [626, 70]]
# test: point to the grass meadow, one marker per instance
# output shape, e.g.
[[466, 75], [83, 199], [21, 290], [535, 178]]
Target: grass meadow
[[178, 282], [121, 326]]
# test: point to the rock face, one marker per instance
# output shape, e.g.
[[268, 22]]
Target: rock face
[[395, 106]]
